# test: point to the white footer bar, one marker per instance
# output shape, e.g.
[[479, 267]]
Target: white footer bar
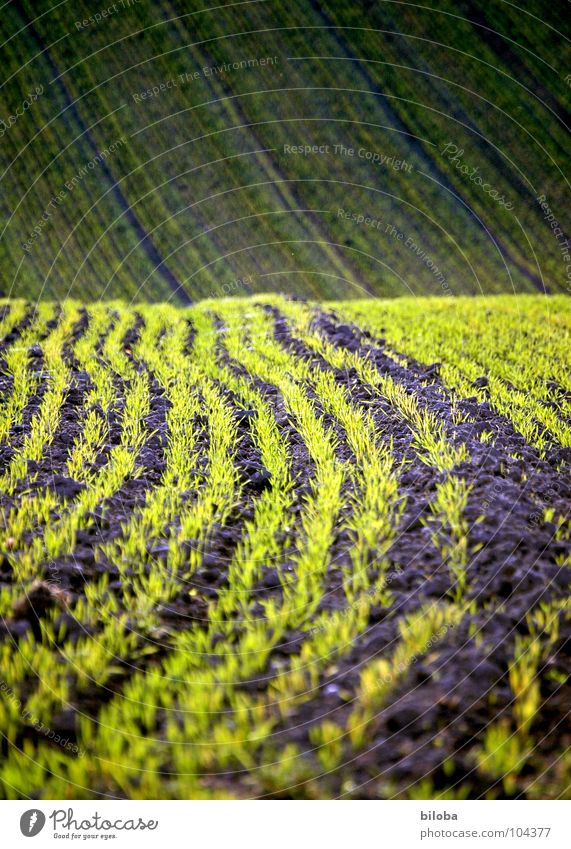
[[287, 825]]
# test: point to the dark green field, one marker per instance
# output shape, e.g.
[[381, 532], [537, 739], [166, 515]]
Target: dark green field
[[456, 114]]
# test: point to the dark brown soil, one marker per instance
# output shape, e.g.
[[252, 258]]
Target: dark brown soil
[[449, 696]]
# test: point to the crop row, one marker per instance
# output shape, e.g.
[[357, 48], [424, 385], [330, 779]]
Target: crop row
[[236, 539]]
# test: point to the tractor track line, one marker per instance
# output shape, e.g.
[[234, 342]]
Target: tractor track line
[[402, 126], [145, 240]]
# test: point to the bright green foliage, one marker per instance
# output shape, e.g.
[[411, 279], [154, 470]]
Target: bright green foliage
[[197, 708], [521, 345]]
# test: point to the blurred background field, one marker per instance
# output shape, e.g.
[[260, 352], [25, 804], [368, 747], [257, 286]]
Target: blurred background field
[[164, 132]]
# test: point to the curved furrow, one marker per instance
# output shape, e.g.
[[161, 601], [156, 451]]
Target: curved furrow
[[48, 470], [452, 538], [46, 421], [448, 491], [401, 425], [188, 644], [267, 534], [147, 580], [31, 512], [199, 514], [182, 519], [276, 617], [45, 610], [105, 646], [22, 381], [508, 480], [473, 364], [15, 316], [309, 563], [294, 682], [93, 647], [288, 613], [431, 435]]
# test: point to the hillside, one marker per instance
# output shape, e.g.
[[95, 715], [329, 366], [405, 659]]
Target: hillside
[[270, 548], [332, 149]]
